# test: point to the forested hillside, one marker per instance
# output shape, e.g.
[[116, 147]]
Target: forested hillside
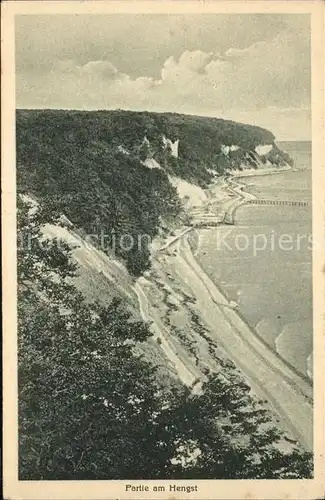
[[90, 405], [89, 166], [90, 408]]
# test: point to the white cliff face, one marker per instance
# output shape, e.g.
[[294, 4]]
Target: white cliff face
[[151, 163], [263, 150], [173, 145], [190, 194], [33, 204], [122, 149], [146, 141], [226, 149], [212, 172]]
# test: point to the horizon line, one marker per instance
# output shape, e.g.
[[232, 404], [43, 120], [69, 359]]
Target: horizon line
[[276, 139]]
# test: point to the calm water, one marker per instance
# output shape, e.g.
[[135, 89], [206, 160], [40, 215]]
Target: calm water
[[264, 263]]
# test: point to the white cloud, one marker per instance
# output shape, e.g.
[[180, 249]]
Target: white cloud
[[102, 68], [196, 60], [254, 83]]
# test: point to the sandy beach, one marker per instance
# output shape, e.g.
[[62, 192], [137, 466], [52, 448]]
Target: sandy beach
[[178, 290]]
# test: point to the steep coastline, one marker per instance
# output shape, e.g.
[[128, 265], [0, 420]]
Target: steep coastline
[[297, 423], [291, 401], [190, 334], [282, 202], [164, 145]]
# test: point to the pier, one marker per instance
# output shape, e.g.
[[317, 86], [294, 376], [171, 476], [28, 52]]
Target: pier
[[279, 202], [211, 215]]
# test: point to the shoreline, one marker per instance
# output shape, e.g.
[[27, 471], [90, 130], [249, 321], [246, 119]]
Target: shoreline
[[288, 392], [225, 301], [244, 197], [261, 171], [243, 318]]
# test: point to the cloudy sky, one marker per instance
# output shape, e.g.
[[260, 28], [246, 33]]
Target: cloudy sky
[[250, 68]]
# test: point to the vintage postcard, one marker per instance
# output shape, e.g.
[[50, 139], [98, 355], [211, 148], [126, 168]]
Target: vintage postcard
[[163, 250]]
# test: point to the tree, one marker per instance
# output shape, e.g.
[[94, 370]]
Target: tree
[[87, 403], [235, 435], [90, 408]]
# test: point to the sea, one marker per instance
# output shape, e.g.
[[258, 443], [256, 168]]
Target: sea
[[264, 262]]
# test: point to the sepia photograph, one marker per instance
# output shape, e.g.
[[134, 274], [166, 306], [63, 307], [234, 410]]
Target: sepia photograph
[[162, 186]]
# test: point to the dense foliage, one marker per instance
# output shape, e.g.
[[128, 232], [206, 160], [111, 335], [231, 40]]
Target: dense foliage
[[110, 195], [200, 138], [90, 408], [88, 165]]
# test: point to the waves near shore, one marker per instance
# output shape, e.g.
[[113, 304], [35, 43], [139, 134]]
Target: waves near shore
[[271, 285]]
